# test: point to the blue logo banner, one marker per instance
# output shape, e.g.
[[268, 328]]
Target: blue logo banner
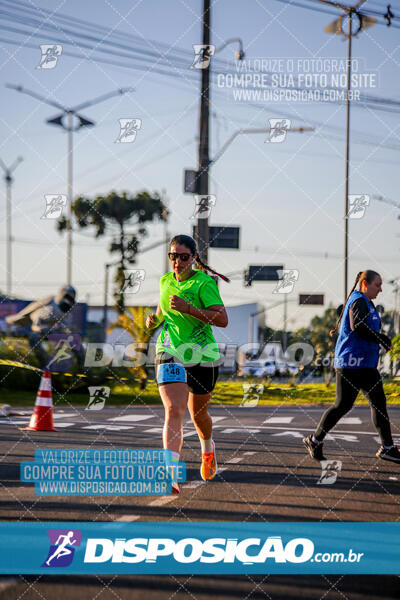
[[102, 472], [200, 548]]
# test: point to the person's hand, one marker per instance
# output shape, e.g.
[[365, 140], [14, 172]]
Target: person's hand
[[151, 320], [386, 342], [179, 304]]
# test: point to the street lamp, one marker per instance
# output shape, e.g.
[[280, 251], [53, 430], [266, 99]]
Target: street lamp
[[336, 27], [66, 121], [245, 131], [9, 180]]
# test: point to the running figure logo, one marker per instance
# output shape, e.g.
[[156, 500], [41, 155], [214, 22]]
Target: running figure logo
[[62, 542], [288, 278], [50, 54], [330, 470], [128, 130], [63, 353], [357, 205], [202, 56], [277, 130], [251, 394], [203, 205], [133, 280], [54, 206], [98, 396]]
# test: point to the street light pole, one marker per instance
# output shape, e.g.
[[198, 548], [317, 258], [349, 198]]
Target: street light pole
[[70, 195], [70, 127], [9, 180], [166, 232], [336, 27], [347, 163]]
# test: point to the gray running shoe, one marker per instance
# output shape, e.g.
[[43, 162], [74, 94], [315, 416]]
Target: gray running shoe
[[314, 449]]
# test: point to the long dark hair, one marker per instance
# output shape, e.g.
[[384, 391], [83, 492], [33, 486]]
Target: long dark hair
[[189, 242], [369, 277]]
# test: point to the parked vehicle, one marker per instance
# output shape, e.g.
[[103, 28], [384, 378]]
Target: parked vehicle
[[293, 369], [259, 368]]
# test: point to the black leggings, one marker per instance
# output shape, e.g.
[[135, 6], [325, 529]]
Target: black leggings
[[348, 383]]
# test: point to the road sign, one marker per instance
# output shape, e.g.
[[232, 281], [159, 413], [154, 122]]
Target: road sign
[[192, 179], [317, 299], [222, 237], [262, 273]]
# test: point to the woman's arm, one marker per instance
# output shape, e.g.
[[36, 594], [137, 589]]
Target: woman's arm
[[155, 319], [159, 313], [213, 315], [358, 314]]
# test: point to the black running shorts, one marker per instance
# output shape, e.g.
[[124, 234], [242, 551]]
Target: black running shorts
[[200, 380]]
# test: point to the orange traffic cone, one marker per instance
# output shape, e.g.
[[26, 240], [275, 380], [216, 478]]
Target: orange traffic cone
[[42, 417]]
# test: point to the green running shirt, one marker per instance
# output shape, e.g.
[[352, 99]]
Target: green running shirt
[[182, 335]]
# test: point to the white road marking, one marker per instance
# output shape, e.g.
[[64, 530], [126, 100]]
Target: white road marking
[[128, 518], [58, 425], [393, 478], [164, 500], [189, 433], [154, 430], [240, 430], [350, 421], [330, 436], [295, 434], [58, 415], [279, 420], [306, 428], [341, 436], [396, 440], [249, 453], [233, 461], [106, 427], [131, 418]]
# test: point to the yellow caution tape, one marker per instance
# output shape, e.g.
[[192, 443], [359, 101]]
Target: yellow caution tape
[[15, 363]]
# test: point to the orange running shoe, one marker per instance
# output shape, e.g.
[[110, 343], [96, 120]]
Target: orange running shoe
[[208, 465]]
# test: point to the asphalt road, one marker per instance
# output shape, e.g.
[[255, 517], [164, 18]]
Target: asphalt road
[[264, 475]]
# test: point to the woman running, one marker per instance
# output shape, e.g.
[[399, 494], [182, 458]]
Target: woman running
[[356, 360], [189, 305]]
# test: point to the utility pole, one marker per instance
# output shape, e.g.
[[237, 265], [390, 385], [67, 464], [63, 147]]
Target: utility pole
[[9, 180], [70, 198], [202, 233], [166, 232], [74, 122], [336, 27], [347, 163], [284, 336]]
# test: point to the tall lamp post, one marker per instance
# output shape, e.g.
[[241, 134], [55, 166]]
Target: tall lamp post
[[68, 123], [336, 27], [9, 180]]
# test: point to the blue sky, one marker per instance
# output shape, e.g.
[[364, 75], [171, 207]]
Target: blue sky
[[287, 198]]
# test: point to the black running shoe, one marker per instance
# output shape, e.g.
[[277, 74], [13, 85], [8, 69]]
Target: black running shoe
[[392, 454], [315, 450]]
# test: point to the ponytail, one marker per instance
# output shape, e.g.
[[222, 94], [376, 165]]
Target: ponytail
[[369, 276], [204, 267]]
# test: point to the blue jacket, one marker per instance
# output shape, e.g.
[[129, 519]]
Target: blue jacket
[[352, 352]]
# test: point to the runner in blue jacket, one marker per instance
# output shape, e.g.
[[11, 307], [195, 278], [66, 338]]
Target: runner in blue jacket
[[356, 360]]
